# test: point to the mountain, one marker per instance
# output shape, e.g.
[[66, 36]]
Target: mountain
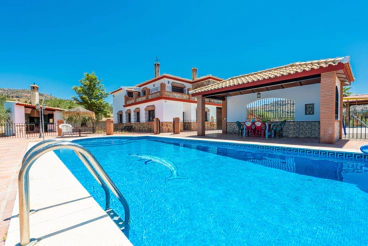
[[22, 95]]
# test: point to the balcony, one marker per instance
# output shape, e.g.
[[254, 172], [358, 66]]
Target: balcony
[[167, 96]]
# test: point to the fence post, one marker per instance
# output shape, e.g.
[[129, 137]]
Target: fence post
[[156, 126], [109, 127], [176, 125], [59, 122]]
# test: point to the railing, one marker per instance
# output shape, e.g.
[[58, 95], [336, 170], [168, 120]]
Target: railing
[[177, 95], [92, 165], [154, 95], [15, 130], [355, 125]]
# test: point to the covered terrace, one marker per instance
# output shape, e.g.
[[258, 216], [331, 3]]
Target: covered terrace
[[314, 87]]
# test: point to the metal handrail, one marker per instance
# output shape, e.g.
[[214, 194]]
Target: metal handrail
[[42, 144], [23, 185]]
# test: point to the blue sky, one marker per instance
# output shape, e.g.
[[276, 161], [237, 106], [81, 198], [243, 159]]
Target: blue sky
[[53, 43]]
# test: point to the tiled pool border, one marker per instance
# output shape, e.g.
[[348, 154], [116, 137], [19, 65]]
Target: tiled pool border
[[333, 154]]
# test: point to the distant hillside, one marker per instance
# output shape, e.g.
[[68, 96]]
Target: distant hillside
[[22, 95]]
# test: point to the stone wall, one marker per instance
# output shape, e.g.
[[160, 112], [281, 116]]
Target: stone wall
[[192, 126], [292, 129], [137, 127]]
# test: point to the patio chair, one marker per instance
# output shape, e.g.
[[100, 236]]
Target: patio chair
[[260, 129], [66, 129], [249, 128], [278, 128], [240, 128]]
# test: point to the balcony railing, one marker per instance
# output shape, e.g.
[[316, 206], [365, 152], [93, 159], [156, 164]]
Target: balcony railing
[[169, 94]]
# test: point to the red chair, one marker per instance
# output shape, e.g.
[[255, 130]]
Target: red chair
[[249, 128], [260, 129]]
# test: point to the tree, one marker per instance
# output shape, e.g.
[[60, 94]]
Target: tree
[[91, 95], [61, 103], [346, 91], [4, 112]]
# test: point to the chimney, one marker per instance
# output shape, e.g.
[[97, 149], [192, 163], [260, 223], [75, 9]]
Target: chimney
[[35, 97], [157, 68], [194, 73]]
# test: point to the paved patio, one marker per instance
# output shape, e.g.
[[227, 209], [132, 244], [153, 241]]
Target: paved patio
[[12, 151]]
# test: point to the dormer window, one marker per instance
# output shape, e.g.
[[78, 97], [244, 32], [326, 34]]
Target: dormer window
[[130, 94], [177, 87]]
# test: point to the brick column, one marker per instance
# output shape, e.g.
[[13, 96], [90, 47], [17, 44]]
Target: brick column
[[59, 122], [125, 99], [109, 127], [176, 125], [224, 116], [135, 95], [147, 93], [201, 127], [190, 95], [341, 107], [156, 126], [163, 89], [327, 107]]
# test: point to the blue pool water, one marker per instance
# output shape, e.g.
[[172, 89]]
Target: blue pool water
[[202, 193]]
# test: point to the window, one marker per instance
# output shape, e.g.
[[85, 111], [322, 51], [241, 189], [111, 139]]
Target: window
[[177, 89], [120, 118], [129, 120], [130, 94], [151, 115], [206, 116], [137, 116], [143, 93]]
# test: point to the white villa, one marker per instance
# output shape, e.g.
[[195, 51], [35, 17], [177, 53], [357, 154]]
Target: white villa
[[165, 97]]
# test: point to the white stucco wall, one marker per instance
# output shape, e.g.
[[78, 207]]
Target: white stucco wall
[[236, 105], [58, 116], [17, 113], [172, 110], [117, 104], [20, 116]]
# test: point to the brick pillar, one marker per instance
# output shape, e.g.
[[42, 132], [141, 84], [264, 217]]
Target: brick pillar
[[156, 126], [341, 107], [224, 116], [125, 99], [176, 125], [135, 95], [327, 107], [201, 125], [109, 127], [59, 122], [190, 95], [147, 92], [163, 89]]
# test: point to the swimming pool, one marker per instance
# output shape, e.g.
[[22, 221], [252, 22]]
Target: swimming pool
[[188, 192]]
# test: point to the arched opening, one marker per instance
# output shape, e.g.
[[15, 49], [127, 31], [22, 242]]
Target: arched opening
[[276, 109]]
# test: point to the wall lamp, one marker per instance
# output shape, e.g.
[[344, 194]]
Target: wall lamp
[[258, 95]]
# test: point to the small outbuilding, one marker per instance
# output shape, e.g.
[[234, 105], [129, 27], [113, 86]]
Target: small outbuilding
[[309, 95]]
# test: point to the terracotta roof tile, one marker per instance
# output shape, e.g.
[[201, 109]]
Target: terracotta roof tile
[[293, 68]]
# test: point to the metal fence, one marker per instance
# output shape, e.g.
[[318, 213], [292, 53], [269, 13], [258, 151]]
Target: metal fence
[[275, 109], [355, 126], [15, 130]]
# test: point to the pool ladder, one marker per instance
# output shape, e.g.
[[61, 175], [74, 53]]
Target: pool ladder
[[88, 160]]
